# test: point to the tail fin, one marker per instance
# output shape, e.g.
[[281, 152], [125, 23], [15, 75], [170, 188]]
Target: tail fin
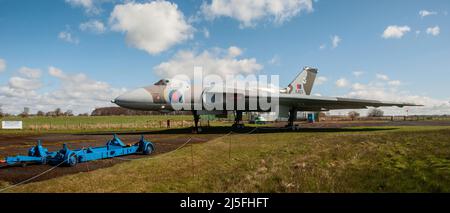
[[304, 82]]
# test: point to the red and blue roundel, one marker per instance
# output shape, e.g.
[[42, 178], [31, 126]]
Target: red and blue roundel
[[175, 96]]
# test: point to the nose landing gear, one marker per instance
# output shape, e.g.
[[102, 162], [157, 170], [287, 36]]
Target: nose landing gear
[[196, 129]]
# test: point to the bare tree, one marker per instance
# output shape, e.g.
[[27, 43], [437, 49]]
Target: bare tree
[[58, 112], [375, 113], [353, 115], [68, 113]]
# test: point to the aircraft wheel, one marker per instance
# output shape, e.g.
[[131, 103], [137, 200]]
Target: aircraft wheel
[[72, 160], [148, 150]]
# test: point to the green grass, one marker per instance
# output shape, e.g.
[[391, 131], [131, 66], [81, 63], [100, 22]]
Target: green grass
[[87, 124], [403, 159], [74, 124], [73, 120]]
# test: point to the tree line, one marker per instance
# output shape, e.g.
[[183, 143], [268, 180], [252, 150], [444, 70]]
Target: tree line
[[101, 111]]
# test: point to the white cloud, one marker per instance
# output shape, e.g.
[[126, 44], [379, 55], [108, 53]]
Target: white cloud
[[10, 98], [30, 72], [382, 77], [435, 31], [206, 33], [383, 89], [24, 83], [275, 60], [424, 13], [153, 27], [2, 65], [391, 92], [335, 41], [89, 6], [342, 82], [358, 73], [395, 31], [395, 83], [321, 80], [28, 81], [358, 86], [79, 86], [234, 51], [76, 92], [94, 26], [68, 37], [322, 46], [216, 61], [248, 12]]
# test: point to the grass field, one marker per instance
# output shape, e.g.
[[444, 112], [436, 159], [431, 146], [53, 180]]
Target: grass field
[[375, 159], [94, 123]]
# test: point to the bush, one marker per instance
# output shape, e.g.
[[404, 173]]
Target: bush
[[353, 115], [375, 113]]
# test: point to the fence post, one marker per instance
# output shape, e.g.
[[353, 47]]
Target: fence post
[[229, 147], [192, 160]]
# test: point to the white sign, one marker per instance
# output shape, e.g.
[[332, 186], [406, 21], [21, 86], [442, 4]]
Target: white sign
[[11, 124]]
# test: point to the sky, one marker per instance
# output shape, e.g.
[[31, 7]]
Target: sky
[[80, 54]]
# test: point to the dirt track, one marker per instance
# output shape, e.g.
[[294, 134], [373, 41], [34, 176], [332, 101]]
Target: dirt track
[[164, 141]]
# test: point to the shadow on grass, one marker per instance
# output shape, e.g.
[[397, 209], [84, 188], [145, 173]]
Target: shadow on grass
[[225, 130]]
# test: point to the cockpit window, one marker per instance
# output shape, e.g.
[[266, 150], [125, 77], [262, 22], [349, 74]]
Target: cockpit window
[[162, 82]]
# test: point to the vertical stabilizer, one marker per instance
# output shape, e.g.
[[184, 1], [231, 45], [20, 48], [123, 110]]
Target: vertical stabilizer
[[304, 82]]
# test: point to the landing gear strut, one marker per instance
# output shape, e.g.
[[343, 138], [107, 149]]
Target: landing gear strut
[[292, 117], [196, 129], [238, 120]]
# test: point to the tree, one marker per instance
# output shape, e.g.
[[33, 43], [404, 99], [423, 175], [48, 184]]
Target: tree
[[51, 113], [353, 115], [40, 113], [68, 113], [58, 112], [375, 113]]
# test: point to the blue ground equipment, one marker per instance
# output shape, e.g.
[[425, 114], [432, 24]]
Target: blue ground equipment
[[311, 118], [114, 148]]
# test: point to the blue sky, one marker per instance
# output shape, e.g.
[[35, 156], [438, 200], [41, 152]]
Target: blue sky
[[409, 63]]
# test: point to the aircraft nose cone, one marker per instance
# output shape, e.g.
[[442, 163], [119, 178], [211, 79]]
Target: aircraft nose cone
[[134, 99]]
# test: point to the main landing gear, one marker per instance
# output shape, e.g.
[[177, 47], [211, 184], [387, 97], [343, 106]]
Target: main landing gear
[[238, 120], [292, 117]]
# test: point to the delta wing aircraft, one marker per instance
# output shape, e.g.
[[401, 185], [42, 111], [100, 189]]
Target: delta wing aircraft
[[167, 95]]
